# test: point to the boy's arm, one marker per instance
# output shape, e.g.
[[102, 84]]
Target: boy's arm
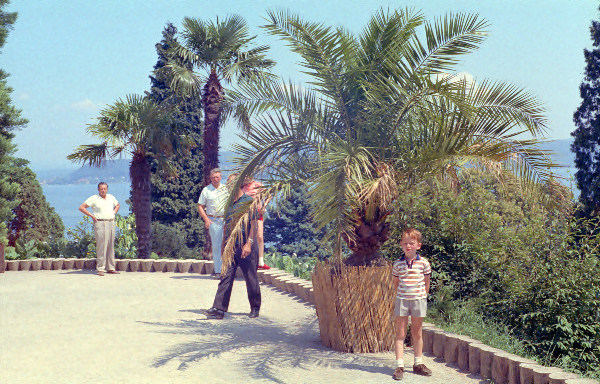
[[427, 282]]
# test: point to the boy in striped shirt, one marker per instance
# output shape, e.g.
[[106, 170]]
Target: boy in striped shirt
[[411, 283]]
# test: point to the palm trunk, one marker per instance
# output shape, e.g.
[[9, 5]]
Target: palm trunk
[[369, 236], [139, 172], [212, 97]]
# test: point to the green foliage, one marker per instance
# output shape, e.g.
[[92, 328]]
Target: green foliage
[[466, 319], [10, 120], [33, 217], [586, 143], [125, 237], [174, 198], [81, 241], [290, 230], [10, 253], [301, 267], [169, 242], [512, 263]]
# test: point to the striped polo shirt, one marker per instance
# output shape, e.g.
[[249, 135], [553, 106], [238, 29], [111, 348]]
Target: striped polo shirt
[[412, 278]]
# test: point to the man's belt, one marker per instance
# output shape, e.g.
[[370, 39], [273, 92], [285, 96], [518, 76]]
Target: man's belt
[[105, 219]]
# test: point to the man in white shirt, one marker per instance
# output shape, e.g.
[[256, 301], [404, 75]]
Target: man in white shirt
[[105, 207], [211, 206]]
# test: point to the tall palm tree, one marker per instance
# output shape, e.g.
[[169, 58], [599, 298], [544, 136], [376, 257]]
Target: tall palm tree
[[144, 130], [223, 49], [384, 111]]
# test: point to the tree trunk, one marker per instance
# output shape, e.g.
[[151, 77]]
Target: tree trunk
[[369, 236], [139, 172], [212, 97]]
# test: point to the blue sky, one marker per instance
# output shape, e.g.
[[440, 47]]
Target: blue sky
[[68, 58]]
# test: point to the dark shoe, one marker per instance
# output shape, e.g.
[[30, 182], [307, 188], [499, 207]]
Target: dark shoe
[[113, 272], [100, 273], [398, 373], [265, 267], [253, 313], [215, 313], [421, 369]]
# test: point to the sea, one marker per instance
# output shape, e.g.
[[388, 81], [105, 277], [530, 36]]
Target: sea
[[66, 199]]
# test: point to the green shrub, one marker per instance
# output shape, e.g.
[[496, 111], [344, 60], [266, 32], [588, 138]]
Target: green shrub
[[169, 242], [301, 267], [520, 265]]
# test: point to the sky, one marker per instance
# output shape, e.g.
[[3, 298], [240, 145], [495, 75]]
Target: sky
[[67, 59]]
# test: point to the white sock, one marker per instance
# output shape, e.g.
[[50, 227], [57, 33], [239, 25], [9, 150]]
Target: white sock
[[418, 360], [400, 363]]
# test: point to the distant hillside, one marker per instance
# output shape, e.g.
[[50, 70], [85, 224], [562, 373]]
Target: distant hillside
[[117, 171], [113, 171]]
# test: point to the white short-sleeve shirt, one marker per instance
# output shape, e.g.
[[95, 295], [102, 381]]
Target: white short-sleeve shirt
[[104, 208], [214, 199]]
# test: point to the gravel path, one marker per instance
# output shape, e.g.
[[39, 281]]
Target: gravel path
[[76, 327]]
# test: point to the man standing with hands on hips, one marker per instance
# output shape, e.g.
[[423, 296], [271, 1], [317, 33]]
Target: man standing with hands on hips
[[105, 207], [211, 207]]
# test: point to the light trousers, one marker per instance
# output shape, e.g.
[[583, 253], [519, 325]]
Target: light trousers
[[216, 238], [105, 245]]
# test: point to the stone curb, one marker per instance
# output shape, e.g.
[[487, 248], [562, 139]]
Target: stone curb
[[463, 352]]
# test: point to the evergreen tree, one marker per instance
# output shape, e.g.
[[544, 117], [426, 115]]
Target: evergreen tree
[[34, 218], [10, 119], [586, 144], [291, 230], [174, 200]]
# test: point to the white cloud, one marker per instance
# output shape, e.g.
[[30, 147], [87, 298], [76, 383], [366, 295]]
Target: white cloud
[[84, 105]]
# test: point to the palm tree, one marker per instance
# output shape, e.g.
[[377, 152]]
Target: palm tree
[[144, 130], [384, 111], [223, 49]]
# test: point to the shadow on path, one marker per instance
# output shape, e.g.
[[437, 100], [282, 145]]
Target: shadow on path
[[261, 345]]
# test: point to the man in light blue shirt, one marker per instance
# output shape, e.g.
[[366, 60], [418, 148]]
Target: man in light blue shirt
[[211, 206]]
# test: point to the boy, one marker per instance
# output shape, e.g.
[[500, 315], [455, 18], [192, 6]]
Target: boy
[[411, 283]]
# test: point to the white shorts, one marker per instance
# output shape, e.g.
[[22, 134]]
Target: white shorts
[[416, 307]]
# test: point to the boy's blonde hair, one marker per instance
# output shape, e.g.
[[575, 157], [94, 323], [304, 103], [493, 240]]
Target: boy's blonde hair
[[412, 233]]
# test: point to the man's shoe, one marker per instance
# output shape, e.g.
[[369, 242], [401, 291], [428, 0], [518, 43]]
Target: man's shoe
[[100, 273], [215, 313], [253, 313], [421, 369], [113, 272], [398, 373], [265, 267]]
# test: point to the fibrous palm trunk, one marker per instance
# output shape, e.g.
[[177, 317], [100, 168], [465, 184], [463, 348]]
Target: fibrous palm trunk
[[212, 97], [369, 236], [139, 172]]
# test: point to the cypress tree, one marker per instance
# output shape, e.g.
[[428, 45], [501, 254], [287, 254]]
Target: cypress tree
[[586, 144], [33, 217], [290, 229], [174, 199], [10, 119]]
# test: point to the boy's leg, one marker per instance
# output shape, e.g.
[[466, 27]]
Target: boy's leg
[[401, 323], [416, 330]]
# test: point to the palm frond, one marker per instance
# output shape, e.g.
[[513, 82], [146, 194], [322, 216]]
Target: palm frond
[[447, 39], [92, 154]]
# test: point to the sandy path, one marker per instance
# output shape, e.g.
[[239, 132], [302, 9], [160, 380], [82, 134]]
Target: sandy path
[[76, 327]]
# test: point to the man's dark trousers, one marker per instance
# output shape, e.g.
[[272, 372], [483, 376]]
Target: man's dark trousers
[[249, 265]]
